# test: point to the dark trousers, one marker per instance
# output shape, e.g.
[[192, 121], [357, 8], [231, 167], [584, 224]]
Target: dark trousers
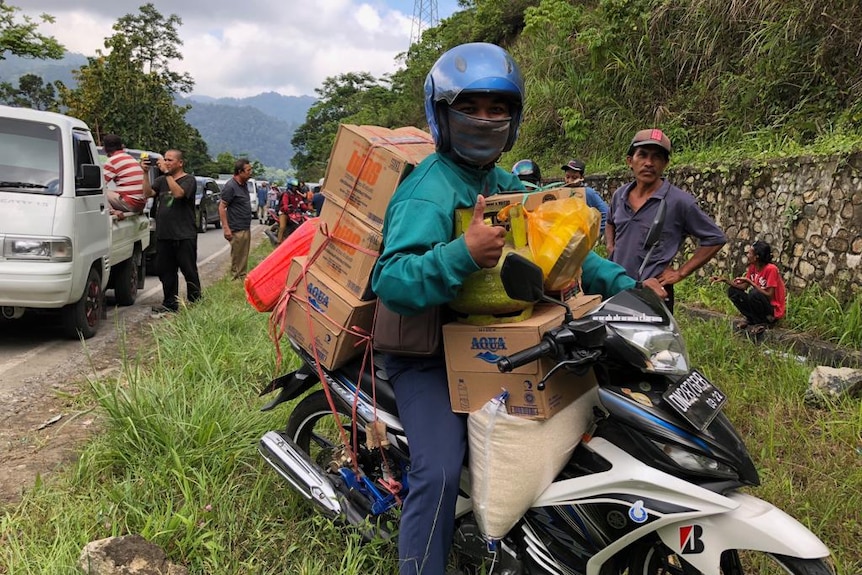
[[178, 256], [438, 444], [752, 304]]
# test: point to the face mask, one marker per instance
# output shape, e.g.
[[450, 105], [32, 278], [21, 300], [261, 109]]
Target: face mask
[[477, 141]]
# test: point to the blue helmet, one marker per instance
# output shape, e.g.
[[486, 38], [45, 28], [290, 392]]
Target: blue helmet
[[528, 171], [470, 69]]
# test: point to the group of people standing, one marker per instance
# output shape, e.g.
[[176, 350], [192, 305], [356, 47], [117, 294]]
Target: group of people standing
[[174, 191], [759, 295]]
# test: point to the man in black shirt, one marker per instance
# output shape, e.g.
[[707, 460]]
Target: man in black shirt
[[176, 233], [235, 212]]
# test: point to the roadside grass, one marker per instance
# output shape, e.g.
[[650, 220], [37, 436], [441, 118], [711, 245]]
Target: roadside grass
[[813, 311], [176, 462]]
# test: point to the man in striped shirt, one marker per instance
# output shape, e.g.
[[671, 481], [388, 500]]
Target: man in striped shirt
[[127, 194]]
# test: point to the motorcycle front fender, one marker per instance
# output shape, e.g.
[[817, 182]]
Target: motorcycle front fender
[[754, 524]]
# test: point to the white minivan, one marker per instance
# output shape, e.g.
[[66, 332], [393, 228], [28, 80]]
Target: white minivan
[[59, 246]]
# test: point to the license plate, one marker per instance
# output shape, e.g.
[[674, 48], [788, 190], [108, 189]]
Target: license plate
[[696, 399]]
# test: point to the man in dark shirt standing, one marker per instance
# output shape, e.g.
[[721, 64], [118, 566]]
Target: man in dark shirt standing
[[235, 212], [634, 207], [176, 233]]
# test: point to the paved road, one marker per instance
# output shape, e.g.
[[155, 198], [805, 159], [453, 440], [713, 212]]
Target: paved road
[[35, 343]]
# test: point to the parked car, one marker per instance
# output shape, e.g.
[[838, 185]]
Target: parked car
[[207, 198], [252, 185]]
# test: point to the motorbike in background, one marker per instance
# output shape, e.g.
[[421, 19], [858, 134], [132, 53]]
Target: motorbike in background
[[296, 216], [655, 488]]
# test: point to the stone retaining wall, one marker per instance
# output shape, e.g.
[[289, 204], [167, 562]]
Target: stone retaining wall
[[808, 209]]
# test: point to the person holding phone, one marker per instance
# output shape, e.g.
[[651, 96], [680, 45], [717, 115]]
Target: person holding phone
[[176, 232]]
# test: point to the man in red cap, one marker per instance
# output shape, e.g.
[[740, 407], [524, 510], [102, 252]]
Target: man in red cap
[[633, 209]]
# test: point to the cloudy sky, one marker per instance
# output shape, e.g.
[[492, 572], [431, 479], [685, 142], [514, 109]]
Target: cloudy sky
[[244, 48]]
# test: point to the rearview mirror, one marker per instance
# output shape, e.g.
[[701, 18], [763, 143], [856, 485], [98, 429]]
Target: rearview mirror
[[522, 279]]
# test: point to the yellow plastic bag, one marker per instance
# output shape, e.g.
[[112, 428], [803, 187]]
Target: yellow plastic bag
[[560, 234]]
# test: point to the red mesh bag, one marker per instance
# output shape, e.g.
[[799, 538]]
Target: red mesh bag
[[264, 284]]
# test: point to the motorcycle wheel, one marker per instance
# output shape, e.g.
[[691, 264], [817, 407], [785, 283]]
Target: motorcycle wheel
[[313, 428], [657, 559]]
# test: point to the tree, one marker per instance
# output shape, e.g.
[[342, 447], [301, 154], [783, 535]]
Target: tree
[[130, 90], [19, 37], [351, 98], [32, 92]]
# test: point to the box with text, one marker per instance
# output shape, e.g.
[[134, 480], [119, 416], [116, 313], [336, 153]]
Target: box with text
[[368, 162], [471, 356], [321, 314], [350, 251]]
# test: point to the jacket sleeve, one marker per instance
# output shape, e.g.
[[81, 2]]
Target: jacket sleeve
[[421, 266], [601, 276]]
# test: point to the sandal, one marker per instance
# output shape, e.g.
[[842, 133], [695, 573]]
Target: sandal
[[757, 329], [740, 324]]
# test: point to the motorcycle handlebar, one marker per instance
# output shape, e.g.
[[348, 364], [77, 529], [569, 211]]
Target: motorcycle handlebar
[[523, 357]]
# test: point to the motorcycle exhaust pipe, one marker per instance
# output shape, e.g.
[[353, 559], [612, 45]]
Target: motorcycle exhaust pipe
[[294, 465]]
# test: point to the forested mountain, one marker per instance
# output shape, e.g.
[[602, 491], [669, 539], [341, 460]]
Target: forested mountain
[[290, 109], [260, 126], [13, 67], [244, 129]]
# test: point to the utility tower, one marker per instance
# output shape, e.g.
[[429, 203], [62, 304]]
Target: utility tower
[[424, 17]]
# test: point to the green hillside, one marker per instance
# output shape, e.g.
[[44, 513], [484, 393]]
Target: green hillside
[[725, 80]]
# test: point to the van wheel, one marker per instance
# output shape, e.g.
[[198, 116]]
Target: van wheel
[[126, 279], [81, 319], [202, 221]]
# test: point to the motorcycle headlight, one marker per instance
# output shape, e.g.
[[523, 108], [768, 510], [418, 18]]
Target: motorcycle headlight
[[697, 462], [40, 249], [661, 345]]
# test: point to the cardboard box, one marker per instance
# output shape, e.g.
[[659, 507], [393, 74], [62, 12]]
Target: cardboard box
[[581, 304], [368, 162], [333, 310], [471, 354], [534, 199], [515, 222], [349, 266]]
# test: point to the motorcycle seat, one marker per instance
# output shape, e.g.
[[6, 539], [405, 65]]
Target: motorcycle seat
[[380, 387]]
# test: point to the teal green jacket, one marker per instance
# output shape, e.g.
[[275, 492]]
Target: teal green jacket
[[422, 265]]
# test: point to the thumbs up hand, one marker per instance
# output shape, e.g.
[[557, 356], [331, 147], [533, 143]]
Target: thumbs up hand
[[484, 242]]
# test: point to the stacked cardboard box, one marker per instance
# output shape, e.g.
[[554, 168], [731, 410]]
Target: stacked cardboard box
[[324, 318], [365, 167], [471, 363], [367, 164]]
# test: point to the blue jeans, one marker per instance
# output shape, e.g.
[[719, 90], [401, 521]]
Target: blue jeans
[[438, 444]]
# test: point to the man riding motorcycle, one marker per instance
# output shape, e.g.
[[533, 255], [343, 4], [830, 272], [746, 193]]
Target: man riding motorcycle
[[474, 98]]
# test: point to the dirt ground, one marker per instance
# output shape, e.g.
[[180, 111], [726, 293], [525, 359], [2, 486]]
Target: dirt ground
[[44, 418]]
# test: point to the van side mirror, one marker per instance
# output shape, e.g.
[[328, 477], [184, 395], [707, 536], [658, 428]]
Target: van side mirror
[[89, 178]]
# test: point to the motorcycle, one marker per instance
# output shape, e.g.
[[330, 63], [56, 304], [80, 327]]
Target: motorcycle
[[654, 488], [296, 216]]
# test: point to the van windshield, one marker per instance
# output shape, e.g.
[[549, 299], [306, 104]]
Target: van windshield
[[30, 159]]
